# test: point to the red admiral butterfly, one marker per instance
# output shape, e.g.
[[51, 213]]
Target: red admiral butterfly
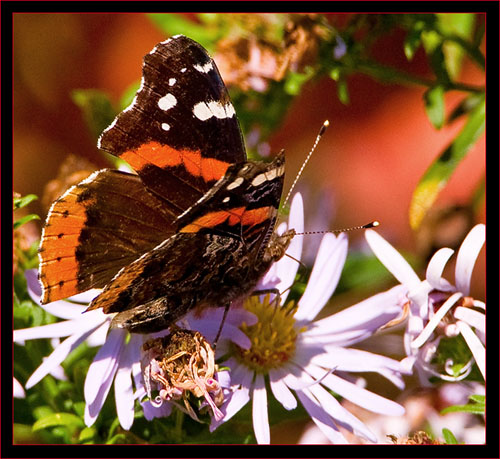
[[194, 227]]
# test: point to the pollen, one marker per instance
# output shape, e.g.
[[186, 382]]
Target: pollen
[[273, 336]]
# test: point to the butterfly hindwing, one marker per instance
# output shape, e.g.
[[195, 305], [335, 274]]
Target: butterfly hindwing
[[94, 229]]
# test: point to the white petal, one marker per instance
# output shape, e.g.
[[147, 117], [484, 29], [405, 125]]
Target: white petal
[[467, 256], [92, 408], [321, 418], [18, 389], [98, 338], [66, 310], [34, 287], [135, 344], [151, 412], [124, 395], [475, 346], [407, 364], [59, 354], [341, 416], [280, 390], [419, 294], [435, 270], [57, 330], [287, 267], [58, 372], [368, 315], [345, 359], [259, 411], [434, 321], [282, 273], [85, 297], [104, 364], [357, 395], [391, 259], [324, 276], [474, 318], [238, 399]]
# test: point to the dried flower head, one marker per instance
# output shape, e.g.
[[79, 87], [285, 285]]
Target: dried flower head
[[179, 366], [253, 60], [418, 438]]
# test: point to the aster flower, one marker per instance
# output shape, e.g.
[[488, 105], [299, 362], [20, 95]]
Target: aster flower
[[437, 308], [300, 356], [117, 361], [114, 358]]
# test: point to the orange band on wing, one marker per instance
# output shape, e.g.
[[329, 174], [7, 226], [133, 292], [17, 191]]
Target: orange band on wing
[[238, 215], [164, 156], [58, 264], [256, 216]]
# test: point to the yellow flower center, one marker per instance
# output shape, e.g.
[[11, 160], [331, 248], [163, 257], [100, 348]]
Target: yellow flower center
[[273, 336]]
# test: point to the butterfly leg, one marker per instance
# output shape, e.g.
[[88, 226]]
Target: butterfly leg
[[275, 291], [226, 310]]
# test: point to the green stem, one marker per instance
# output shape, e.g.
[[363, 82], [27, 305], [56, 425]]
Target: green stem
[[179, 421], [391, 75]]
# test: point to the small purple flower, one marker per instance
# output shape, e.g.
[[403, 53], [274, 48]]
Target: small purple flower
[[438, 308], [340, 48]]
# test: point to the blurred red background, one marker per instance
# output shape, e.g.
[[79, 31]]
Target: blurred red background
[[372, 156]]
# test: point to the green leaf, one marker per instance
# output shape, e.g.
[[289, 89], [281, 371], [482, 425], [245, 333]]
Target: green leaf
[[431, 40], [174, 24], [295, 81], [25, 219], [434, 105], [413, 40], [87, 435], [477, 407], [129, 94], [438, 64], [96, 108], [478, 399], [449, 438], [439, 172], [58, 419], [467, 104], [342, 91], [117, 439], [335, 73], [461, 25], [473, 409], [23, 201]]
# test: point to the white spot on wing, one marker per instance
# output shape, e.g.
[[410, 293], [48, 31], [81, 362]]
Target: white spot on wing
[[235, 184], [266, 176], [183, 70], [205, 110], [226, 199], [172, 81], [204, 68], [167, 102], [165, 126]]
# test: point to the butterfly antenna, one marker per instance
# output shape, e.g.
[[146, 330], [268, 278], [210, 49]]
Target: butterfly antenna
[[343, 230], [321, 132]]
